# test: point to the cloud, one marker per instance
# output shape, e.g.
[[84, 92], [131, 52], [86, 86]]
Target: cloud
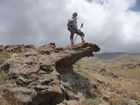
[[137, 6], [109, 23]]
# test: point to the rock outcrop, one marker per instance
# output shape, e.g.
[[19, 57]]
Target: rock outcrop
[[44, 75], [16, 48]]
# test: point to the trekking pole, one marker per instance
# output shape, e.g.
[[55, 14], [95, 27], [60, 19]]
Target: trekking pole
[[79, 30], [81, 26]]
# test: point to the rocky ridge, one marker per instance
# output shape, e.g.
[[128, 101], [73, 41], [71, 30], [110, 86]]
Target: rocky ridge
[[44, 75]]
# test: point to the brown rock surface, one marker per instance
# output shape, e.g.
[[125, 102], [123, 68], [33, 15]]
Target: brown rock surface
[[37, 77], [1, 48], [17, 48]]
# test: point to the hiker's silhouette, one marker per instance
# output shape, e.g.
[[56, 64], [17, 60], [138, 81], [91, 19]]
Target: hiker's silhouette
[[73, 28]]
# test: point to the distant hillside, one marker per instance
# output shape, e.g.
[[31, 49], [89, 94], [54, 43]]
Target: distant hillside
[[121, 70], [123, 64], [118, 56]]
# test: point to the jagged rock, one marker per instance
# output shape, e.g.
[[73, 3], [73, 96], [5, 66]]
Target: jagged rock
[[4, 67], [23, 65], [17, 48], [77, 87], [1, 48], [130, 66], [100, 78], [72, 54], [71, 102], [29, 46], [39, 78], [0, 97], [138, 65], [107, 96], [13, 48], [47, 49], [106, 73], [137, 103]]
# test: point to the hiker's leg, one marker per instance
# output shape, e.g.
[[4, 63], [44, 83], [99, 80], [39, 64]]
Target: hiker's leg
[[71, 38], [81, 34]]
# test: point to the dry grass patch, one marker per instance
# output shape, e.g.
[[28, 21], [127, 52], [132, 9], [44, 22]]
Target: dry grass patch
[[91, 102], [2, 102], [129, 74], [121, 101], [132, 88], [134, 96], [82, 72], [3, 76], [4, 55]]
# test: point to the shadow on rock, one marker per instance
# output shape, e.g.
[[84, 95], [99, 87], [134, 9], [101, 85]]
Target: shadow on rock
[[77, 87]]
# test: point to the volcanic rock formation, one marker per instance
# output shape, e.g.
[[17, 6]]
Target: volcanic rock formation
[[44, 75]]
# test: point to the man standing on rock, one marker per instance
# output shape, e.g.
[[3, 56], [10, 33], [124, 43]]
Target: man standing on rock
[[72, 27]]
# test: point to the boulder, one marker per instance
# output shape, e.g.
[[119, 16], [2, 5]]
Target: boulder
[[4, 67], [100, 78], [104, 72], [1, 48], [13, 48]]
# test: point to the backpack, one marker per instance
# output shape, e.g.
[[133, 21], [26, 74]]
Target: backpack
[[70, 24]]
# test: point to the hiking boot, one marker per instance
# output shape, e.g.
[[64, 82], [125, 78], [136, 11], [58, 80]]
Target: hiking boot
[[72, 42], [83, 41]]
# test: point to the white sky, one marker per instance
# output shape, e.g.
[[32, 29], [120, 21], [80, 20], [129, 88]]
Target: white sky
[[109, 23]]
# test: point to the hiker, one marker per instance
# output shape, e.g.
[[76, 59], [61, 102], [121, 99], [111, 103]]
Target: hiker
[[72, 27]]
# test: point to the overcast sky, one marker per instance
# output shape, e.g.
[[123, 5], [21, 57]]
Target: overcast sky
[[112, 24]]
